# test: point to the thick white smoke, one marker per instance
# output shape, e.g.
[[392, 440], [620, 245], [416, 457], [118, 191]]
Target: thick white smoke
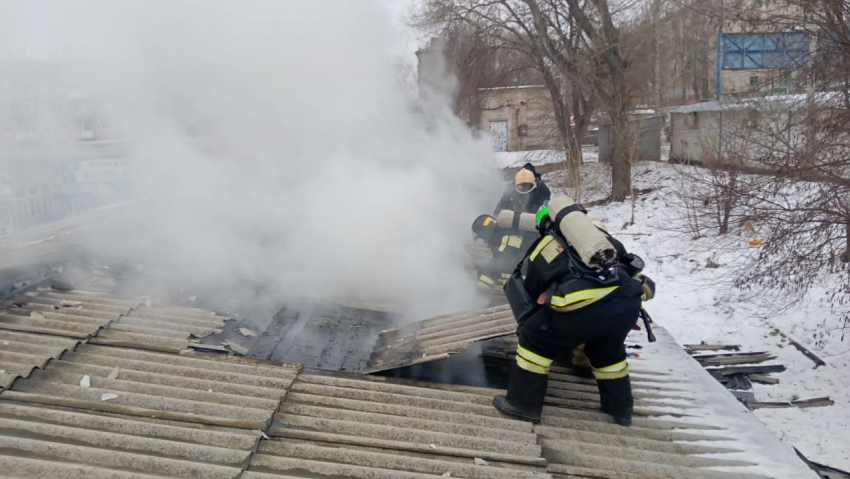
[[276, 145]]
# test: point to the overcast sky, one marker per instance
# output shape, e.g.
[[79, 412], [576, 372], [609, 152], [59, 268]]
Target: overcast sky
[[25, 31]]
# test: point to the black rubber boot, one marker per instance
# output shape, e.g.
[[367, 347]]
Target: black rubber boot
[[526, 393], [616, 398]]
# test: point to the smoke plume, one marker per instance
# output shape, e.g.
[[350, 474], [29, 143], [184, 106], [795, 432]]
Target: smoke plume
[[273, 144]]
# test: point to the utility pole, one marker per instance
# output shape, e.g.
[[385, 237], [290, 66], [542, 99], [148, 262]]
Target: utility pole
[[718, 85], [656, 20]]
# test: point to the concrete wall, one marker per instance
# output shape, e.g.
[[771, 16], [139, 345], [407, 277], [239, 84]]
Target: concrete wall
[[528, 111], [747, 135], [693, 136], [647, 134]]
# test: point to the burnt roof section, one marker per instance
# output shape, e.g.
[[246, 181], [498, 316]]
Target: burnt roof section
[[437, 338], [330, 336]]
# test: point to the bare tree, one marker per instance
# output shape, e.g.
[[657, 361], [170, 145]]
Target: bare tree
[[509, 26], [785, 163], [612, 86]]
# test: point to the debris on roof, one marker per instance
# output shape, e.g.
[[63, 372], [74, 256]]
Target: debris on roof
[[437, 338]]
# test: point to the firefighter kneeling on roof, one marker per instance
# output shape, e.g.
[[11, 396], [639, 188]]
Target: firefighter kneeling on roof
[[580, 287], [508, 237]]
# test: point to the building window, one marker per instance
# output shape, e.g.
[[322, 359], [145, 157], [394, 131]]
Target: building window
[[754, 81]]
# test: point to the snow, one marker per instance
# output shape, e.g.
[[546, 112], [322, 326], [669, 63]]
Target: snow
[[696, 303], [764, 103], [515, 159]]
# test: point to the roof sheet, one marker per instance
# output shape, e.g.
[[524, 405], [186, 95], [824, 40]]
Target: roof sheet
[[61, 314], [437, 338], [215, 390], [108, 319], [160, 329], [21, 352], [43, 441], [359, 426]]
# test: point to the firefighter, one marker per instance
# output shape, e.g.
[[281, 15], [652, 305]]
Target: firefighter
[[569, 304], [507, 245], [526, 194]]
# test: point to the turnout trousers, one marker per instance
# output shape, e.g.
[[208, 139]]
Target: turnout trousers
[[548, 335]]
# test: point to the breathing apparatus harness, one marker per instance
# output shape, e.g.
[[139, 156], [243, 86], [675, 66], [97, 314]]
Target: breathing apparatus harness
[[606, 275]]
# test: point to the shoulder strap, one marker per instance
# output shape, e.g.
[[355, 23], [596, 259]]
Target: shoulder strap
[[528, 253], [569, 209]]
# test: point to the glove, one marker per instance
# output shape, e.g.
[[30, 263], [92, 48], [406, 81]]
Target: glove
[[648, 286]]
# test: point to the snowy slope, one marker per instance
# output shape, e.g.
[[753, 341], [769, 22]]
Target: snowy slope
[[696, 303]]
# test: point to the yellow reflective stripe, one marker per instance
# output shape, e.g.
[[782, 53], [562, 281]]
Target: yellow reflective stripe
[[531, 367], [534, 358], [615, 367], [510, 240], [486, 280], [614, 371], [542, 244], [583, 295]]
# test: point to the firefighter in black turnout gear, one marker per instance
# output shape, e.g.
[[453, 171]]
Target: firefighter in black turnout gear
[[562, 303], [507, 244], [526, 194]]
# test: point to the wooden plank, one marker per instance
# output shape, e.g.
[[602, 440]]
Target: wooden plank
[[814, 402], [727, 359], [699, 357], [712, 347], [818, 361], [761, 378], [729, 370]]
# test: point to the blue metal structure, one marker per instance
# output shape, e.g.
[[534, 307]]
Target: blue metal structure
[[748, 51], [719, 80]]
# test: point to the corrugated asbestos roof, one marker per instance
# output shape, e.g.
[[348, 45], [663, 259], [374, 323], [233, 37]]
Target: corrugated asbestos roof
[[160, 329], [131, 410], [61, 314], [96, 411], [439, 337], [113, 321], [21, 352], [339, 425]]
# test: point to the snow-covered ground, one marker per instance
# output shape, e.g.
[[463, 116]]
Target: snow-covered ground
[[515, 159], [698, 303]]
